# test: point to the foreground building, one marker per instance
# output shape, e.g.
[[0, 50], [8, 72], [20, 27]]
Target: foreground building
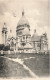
[[24, 42]]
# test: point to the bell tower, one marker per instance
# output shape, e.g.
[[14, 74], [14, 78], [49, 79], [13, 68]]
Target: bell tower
[[4, 33]]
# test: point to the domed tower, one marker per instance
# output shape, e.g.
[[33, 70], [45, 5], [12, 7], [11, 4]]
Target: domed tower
[[4, 33], [23, 29], [23, 23]]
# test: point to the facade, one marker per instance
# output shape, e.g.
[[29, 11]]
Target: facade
[[24, 42]]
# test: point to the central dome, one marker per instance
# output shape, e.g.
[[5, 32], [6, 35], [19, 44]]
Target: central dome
[[22, 25], [23, 20]]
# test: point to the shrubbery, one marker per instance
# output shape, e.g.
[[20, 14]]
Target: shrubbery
[[3, 47]]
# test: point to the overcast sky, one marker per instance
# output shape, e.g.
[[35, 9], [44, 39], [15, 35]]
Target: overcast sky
[[36, 11]]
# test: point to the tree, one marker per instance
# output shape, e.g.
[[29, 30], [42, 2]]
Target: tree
[[1, 46]]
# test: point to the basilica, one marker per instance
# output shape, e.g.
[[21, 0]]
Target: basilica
[[24, 42]]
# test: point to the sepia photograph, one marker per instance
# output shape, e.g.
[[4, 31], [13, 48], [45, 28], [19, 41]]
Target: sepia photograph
[[24, 39]]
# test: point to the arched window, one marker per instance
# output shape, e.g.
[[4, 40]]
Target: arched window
[[12, 43]]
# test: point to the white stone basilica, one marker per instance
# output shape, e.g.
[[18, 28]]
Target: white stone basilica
[[23, 41]]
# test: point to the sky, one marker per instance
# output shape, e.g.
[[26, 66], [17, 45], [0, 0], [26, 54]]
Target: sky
[[36, 11]]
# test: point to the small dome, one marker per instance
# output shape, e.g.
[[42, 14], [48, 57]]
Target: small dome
[[4, 26], [23, 20], [35, 36]]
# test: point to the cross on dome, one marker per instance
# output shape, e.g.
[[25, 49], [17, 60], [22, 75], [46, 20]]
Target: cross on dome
[[4, 23], [23, 12], [34, 30]]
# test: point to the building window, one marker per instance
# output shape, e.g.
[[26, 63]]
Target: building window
[[12, 43], [23, 37], [38, 45], [26, 37]]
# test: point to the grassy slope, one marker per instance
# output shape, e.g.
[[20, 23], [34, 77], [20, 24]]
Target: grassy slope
[[12, 69], [39, 65]]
